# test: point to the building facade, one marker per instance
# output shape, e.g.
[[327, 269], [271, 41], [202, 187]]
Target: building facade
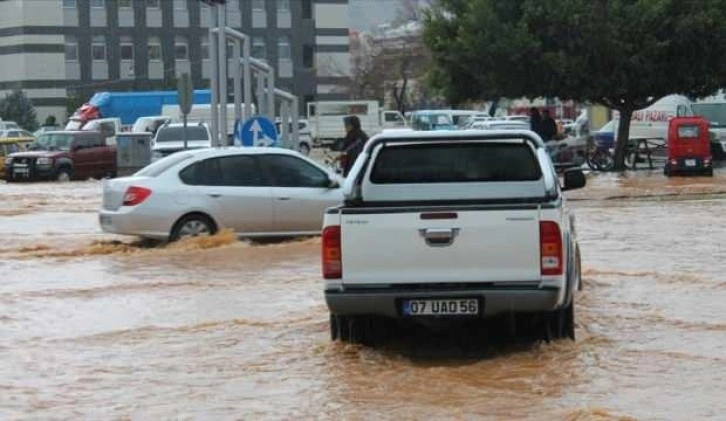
[[56, 49]]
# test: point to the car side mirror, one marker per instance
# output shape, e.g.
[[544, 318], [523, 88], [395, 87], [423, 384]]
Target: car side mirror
[[76, 147], [333, 184], [574, 179]]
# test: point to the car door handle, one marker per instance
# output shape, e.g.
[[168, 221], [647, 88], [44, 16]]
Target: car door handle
[[439, 237], [215, 195], [283, 198]]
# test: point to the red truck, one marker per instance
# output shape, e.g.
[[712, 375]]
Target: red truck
[[63, 156]]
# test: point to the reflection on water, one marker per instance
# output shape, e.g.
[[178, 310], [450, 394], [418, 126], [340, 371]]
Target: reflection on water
[[97, 326]]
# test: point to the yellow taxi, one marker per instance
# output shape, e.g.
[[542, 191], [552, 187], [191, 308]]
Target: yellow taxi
[[11, 141]]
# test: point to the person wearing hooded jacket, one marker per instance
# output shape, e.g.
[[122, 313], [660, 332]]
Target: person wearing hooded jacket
[[353, 143]]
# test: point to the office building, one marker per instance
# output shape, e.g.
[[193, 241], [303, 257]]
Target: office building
[[56, 49]]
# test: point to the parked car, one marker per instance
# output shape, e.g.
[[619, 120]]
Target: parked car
[[19, 135], [452, 227], [305, 141], [169, 138], [499, 125], [150, 124], [46, 129], [63, 156], [8, 125], [255, 191], [7, 147]]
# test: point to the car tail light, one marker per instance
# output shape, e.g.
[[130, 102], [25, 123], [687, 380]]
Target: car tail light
[[550, 243], [674, 162], [332, 264], [135, 195]]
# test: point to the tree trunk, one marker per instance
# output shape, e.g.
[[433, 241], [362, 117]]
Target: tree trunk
[[622, 138]]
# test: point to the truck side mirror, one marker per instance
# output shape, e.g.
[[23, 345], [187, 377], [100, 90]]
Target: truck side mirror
[[574, 179]]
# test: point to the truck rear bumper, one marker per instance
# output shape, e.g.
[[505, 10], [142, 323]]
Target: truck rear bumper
[[495, 301]]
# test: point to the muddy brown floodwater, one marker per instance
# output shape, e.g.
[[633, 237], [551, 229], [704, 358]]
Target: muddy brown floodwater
[[97, 327]]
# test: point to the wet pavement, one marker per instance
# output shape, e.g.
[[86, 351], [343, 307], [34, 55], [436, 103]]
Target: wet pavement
[[102, 327]]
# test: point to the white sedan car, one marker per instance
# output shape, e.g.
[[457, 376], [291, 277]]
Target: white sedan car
[[257, 192]]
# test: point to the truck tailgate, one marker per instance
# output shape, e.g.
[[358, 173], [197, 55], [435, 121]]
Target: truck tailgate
[[499, 245]]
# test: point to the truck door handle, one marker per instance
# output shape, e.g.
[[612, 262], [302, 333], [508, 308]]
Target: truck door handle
[[215, 195], [439, 237], [283, 198]]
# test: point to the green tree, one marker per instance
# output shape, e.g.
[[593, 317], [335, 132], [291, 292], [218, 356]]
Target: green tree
[[624, 54], [18, 108]]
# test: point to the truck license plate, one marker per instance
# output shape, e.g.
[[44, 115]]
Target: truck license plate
[[690, 162], [441, 307]]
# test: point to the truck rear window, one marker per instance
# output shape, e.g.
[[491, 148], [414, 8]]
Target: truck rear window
[[455, 163]]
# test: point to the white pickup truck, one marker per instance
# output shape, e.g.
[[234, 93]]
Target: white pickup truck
[[455, 225]]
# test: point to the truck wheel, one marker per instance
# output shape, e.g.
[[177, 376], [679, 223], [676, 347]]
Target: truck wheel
[[64, 174], [567, 321]]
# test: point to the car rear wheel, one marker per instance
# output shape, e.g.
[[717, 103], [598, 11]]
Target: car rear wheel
[[194, 225], [63, 175]]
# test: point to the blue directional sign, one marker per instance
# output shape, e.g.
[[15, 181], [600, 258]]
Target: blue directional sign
[[257, 131]]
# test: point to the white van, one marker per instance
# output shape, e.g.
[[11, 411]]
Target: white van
[[202, 113], [652, 122]]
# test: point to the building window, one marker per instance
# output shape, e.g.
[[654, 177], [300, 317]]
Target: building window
[[69, 4], [127, 49], [230, 50], [152, 4], [180, 4], [283, 6], [98, 4], [259, 48], [258, 5], [181, 49], [308, 56], [71, 48], [205, 49], [283, 48], [307, 9], [125, 4], [154, 49], [98, 48]]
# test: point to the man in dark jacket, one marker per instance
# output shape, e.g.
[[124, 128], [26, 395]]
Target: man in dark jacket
[[535, 121], [549, 127], [355, 140]]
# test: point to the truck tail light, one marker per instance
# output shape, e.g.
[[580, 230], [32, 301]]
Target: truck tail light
[[135, 195], [332, 263], [550, 244], [707, 161]]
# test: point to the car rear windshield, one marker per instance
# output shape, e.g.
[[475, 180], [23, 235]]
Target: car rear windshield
[[160, 166], [176, 134], [455, 163]]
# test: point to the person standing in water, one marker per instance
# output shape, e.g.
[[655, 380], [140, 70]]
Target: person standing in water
[[355, 139]]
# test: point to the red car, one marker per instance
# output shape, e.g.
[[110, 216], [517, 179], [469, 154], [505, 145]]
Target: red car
[[689, 147], [63, 156]]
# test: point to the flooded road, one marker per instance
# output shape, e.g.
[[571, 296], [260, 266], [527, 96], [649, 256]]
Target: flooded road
[[94, 326]]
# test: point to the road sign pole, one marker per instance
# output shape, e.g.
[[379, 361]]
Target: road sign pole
[[222, 45], [271, 95], [185, 93], [237, 82], [184, 117], [214, 79], [247, 74]]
